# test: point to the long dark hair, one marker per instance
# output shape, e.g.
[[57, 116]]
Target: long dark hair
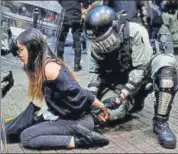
[[38, 53]]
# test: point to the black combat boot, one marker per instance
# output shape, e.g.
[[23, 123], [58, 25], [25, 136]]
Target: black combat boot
[[166, 86], [77, 67], [85, 138], [165, 135]]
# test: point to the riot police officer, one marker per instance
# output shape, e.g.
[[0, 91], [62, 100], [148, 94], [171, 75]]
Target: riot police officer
[[135, 10], [122, 64], [170, 23], [72, 19]]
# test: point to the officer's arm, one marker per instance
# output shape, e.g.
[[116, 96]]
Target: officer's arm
[[141, 56], [94, 79]]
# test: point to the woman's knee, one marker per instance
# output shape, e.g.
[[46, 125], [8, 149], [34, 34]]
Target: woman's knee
[[24, 137], [27, 135], [87, 121]]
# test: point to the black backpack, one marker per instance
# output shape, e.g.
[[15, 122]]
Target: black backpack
[[15, 126]]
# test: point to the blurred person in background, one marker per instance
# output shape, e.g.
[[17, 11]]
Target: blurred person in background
[[170, 23], [156, 17], [85, 9], [135, 10], [72, 19]]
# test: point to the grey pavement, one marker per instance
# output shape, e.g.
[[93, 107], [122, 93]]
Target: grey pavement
[[131, 136]]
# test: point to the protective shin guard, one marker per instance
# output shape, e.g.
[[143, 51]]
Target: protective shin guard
[[165, 86]]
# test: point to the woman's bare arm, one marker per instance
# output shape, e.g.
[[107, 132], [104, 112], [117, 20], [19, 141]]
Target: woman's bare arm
[[52, 70]]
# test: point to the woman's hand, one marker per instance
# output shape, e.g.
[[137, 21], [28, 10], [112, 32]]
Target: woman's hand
[[104, 115], [103, 112]]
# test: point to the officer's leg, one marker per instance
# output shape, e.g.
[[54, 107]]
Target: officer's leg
[[165, 79], [163, 35], [175, 35], [175, 42], [83, 42], [154, 33], [139, 98], [61, 41], [175, 50], [76, 31]]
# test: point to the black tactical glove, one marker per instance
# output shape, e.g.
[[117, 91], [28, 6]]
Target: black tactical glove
[[111, 103]]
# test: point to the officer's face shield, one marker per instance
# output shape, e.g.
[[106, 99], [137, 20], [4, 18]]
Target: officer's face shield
[[107, 39], [107, 42]]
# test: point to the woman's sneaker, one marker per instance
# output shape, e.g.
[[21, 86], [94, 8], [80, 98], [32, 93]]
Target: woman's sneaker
[[85, 138]]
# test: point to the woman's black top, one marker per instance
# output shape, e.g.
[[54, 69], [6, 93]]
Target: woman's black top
[[65, 98]]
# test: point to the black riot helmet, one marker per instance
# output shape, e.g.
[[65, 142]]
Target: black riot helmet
[[102, 26]]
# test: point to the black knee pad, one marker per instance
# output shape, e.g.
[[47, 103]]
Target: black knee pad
[[166, 80]]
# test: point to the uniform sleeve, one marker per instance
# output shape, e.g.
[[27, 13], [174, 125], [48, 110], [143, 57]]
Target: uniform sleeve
[[94, 78], [141, 48], [141, 57]]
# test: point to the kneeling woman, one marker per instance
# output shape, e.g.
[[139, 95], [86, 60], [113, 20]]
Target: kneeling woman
[[50, 79]]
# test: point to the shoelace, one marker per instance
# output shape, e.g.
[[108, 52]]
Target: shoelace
[[165, 127]]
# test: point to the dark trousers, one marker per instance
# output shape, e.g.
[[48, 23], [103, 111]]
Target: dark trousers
[[76, 33], [154, 32], [53, 134]]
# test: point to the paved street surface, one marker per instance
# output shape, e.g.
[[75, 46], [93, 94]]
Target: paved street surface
[[134, 135]]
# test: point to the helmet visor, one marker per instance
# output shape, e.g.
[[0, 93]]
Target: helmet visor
[[107, 42]]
